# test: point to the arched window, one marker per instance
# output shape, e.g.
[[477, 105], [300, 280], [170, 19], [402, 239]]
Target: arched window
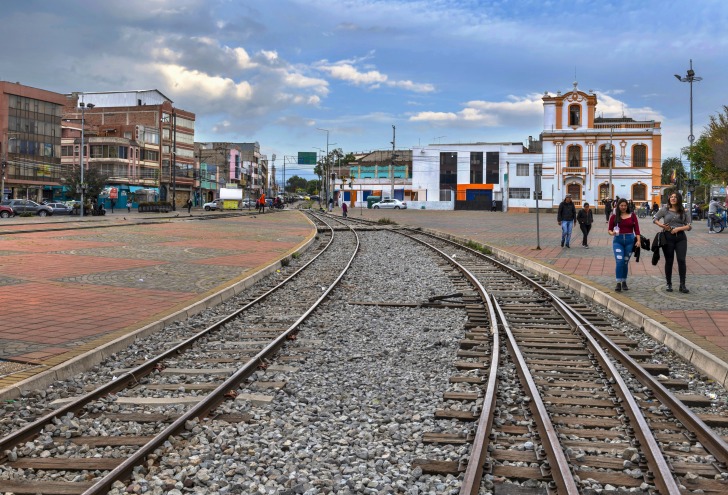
[[639, 192], [604, 156], [574, 156], [604, 192], [639, 155], [575, 115]]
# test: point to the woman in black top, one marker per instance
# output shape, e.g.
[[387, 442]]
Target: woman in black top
[[675, 221]]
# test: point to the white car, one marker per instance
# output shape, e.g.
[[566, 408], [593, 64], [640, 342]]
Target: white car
[[213, 205], [390, 203]]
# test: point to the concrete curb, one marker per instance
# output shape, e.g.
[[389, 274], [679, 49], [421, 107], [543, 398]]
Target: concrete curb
[[95, 356], [707, 363]]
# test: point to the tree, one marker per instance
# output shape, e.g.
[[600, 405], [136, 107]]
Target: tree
[[295, 183], [95, 181], [709, 154]]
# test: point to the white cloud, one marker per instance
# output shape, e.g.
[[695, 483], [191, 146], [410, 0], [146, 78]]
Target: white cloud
[[192, 81], [345, 70]]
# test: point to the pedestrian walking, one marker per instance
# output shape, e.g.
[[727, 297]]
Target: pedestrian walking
[[585, 217], [566, 217], [675, 221], [128, 206], [344, 209], [189, 205], [113, 204], [625, 228], [331, 205], [607, 209], [261, 203]]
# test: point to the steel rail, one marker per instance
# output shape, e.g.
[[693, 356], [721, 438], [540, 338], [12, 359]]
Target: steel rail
[[664, 480], [707, 437], [132, 377], [216, 397], [559, 465], [479, 451]]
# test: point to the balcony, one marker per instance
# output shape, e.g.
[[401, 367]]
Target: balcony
[[574, 171]]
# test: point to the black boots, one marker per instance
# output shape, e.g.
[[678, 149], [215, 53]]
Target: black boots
[[668, 288], [683, 289], [624, 286], [618, 288]]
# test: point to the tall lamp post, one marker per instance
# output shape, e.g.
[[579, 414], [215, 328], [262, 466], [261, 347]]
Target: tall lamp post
[[326, 167], [83, 106], [174, 156], [690, 77]]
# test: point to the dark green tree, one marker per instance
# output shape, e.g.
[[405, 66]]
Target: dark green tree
[[95, 181], [295, 183]]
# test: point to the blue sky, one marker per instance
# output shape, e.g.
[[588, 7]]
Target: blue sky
[[441, 71]]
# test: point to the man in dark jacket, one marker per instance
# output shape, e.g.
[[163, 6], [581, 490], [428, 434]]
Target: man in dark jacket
[[566, 217], [585, 217]]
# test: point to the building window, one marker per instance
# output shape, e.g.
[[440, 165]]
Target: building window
[[492, 167], [448, 170], [639, 156], [574, 156], [538, 169], [519, 193], [575, 115], [476, 167], [604, 156], [639, 192], [522, 169]]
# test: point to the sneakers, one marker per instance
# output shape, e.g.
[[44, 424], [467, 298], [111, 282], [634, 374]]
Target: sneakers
[[624, 286], [683, 289], [586, 246], [618, 288], [668, 288], [711, 232]]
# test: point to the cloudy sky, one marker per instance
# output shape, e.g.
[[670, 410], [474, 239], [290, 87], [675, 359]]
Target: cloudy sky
[[441, 71]]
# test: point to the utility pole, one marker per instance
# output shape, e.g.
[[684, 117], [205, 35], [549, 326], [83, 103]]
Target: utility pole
[[326, 168], [391, 166], [690, 78], [610, 157]]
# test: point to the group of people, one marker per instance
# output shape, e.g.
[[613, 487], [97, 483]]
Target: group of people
[[623, 226]]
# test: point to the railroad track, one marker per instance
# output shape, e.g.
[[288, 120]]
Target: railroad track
[[591, 416], [197, 378], [487, 432]]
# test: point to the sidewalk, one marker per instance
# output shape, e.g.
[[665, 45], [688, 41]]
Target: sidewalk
[[67, 291]]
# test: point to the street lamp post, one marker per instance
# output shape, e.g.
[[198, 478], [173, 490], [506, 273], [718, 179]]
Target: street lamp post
[[83, 106], [326, 167], [690, 78]]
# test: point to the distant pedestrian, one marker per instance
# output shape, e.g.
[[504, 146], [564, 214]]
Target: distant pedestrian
[[261, 203], [128, 206], [566, 217], [607, 208], [189, 205], [714, 208], [585, 217], [625, 228], [113, 204], [344, 209], [331, 205], [630, 204], [655, 207]]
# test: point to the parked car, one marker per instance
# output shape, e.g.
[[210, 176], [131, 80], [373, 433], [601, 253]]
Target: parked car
[[6, 211], [60, 208], [21, 206], [390, 203], [213, 205]]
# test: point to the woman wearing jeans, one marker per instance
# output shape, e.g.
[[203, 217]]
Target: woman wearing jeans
[[675, 222], [626, 231]]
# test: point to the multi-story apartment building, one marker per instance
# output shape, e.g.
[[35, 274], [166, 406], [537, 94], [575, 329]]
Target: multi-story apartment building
[[139, 139], [30, 142], [381, 173], [220, 165], [254, 168]]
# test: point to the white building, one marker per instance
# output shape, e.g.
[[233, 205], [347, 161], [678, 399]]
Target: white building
[[572, 156]]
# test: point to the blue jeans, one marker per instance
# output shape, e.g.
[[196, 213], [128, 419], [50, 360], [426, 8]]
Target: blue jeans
[[623, 246], [566, 227]]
